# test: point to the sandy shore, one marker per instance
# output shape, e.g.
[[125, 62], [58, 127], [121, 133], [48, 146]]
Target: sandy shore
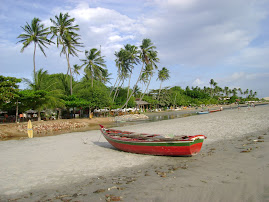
[[232, 166]]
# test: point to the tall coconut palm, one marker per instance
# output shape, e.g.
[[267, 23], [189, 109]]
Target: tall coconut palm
[[132, 59], [163, 75], [234, 91], [144, 79], [66, 36], [94, 64], [35, 33], [246, 92], [211, 84], [123, 69], [145, 49], [70, 49], [153, 59], [240, 91], [227, 91], [76, 69], [105, 76]]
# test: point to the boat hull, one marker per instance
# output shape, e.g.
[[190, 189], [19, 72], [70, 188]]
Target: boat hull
[[217, 110], [175, 148], [203, 112]]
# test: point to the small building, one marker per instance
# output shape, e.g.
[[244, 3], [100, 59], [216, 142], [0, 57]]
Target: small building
[[140, 104]]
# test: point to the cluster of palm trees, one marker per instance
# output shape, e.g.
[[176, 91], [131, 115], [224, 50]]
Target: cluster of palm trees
[[126, 60], [215, 90], [67, 38], [64, 30]]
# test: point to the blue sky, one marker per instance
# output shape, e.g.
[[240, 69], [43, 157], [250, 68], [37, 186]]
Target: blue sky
[[227, 41]]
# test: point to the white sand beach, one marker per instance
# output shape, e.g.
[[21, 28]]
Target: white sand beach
[[73, 166]]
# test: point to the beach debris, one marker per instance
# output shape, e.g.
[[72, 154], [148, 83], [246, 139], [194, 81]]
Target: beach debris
[[101, 178], [130, 180], [173, 168], [258, 140], [114, 187], [245, 151], [111, 197], [47, 127], [84, 141], [99, 191], [184, 166], [63, 196], [131, 117], [161, 174]]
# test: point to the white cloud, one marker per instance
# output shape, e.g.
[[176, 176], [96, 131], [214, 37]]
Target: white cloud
[[203, 32], [254, 57], [198, 82]]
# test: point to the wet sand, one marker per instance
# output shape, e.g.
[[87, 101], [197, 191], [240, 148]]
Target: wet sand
[[232, 165]]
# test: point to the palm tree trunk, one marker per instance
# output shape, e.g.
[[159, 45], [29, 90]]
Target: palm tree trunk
[[129, 85], [119, 90], [147, 87], [34, 64], [17, 109], [38, 115], [114, 86], [160, 91], [116, 91], [141, 91], [71, 82], [125, 104], [69, 69]]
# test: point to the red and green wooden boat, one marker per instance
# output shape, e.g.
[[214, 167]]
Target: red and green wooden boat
[[215, 110], [153, 144]]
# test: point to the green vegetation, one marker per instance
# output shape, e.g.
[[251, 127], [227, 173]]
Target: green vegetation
[[62, 93]]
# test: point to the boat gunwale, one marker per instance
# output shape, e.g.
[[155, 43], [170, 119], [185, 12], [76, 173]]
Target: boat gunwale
[[145, 141]]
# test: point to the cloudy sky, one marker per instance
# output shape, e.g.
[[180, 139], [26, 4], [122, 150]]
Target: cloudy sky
[[227, 41]]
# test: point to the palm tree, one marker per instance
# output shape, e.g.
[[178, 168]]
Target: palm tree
[[150, 67], [143, 80], [251, 93], [145, 49], [76, 69], [94, 64], [246, 92], [234, 91], [41, 84], [240, 91], [227, 91], [212, 82], [65, 34], [37, 34], [132, 59], [105, 76], [163, 75], [123, 69]]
